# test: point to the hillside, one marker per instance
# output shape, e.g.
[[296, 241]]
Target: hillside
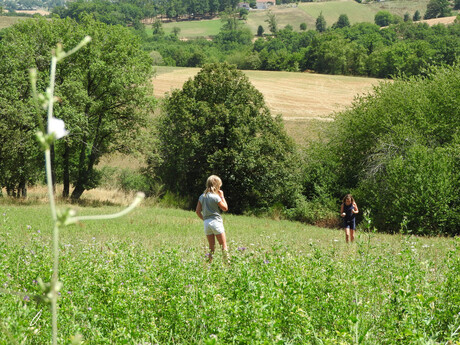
[[304, 13], [305, 100]]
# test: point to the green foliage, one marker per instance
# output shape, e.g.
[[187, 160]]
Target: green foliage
[[102, 90], [219, 124], [287, 283], [342, 22], [303, 26], [260, 30], [398, 149], [437, 8], [416, 16], [383, 18], [320, 23], [272, 22]]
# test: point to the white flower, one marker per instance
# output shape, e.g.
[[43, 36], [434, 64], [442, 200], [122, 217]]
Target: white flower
[[57, 127]]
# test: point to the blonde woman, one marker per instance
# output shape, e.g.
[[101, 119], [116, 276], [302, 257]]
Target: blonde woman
[[207, 209]]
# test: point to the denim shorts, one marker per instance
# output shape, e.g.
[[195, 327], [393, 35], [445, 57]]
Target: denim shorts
[[350, 223], [213, 227]]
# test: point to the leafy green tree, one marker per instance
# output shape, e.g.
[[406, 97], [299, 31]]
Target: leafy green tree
[[260, 31], [437, 9], [219, 124], [321, 25], [157, 28], [103, 90], [175, 31], [303, 26], [272, 22], [383, 18], [342, 22], [397, 149], [407, 17], [416, 16], [456, 4]]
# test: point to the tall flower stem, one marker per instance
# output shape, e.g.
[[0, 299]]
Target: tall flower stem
[[49, 180]]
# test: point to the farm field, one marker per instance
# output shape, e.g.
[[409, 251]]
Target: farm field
[[194, 29], [9, 21], [144, 279], [298, 97]]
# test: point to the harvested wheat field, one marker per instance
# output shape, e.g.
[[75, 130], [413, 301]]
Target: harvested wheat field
[[294, 95]]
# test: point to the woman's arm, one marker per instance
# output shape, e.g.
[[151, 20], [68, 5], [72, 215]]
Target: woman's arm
[[355, 208], [341, 211], [223, 203], [198, 210]]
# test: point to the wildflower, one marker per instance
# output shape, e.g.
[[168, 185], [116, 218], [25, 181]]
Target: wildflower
[[29, 227], [241, 249], [57, 127], [38, 232], [89, 308], [26, 298], [266, 262]]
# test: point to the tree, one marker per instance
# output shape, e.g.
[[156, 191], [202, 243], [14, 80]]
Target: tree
[[272, 22], [321, 23], [157, 28], [456, 4], [406, 17], [383, 18], [342, 22], [399, 158], [437, 9], [219, 124], [416, 16], [260, 30], [303, 26], [175, 31], [103, 90]]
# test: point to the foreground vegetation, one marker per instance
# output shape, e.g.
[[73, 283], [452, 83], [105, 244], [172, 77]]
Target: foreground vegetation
[[143, 279]]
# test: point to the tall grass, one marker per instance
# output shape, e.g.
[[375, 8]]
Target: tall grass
[[143, 279]]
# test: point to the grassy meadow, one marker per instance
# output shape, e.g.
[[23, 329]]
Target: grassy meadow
[[9, 21], [194, 29], [144, 279]]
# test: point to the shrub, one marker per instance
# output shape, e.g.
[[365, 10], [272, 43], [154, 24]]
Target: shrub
[[399, 150], [219, 124]]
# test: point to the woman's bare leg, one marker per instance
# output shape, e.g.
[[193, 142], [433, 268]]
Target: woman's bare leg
[[212, 245], [347, 235], [223, 243]]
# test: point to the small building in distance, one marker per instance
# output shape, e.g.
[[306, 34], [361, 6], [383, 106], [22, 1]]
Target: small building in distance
[[264, 4]]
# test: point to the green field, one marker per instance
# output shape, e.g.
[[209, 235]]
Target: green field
[[194, 29], [303, 13], [8, 21], [143, 279]]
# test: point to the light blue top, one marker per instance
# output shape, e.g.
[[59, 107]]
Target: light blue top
[[209, 206]]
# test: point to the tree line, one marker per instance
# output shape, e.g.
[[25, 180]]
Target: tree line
[[363, 49]]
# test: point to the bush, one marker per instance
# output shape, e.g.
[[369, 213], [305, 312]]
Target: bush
[[399, 151], [219, 124], [419, 187]]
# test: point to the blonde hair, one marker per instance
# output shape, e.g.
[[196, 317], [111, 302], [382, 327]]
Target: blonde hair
[[213, 184]]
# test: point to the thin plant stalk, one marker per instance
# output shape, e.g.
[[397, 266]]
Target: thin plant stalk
[[68, 217], [49, 180]]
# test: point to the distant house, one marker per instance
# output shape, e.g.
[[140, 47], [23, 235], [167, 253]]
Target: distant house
[[264, 4]]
